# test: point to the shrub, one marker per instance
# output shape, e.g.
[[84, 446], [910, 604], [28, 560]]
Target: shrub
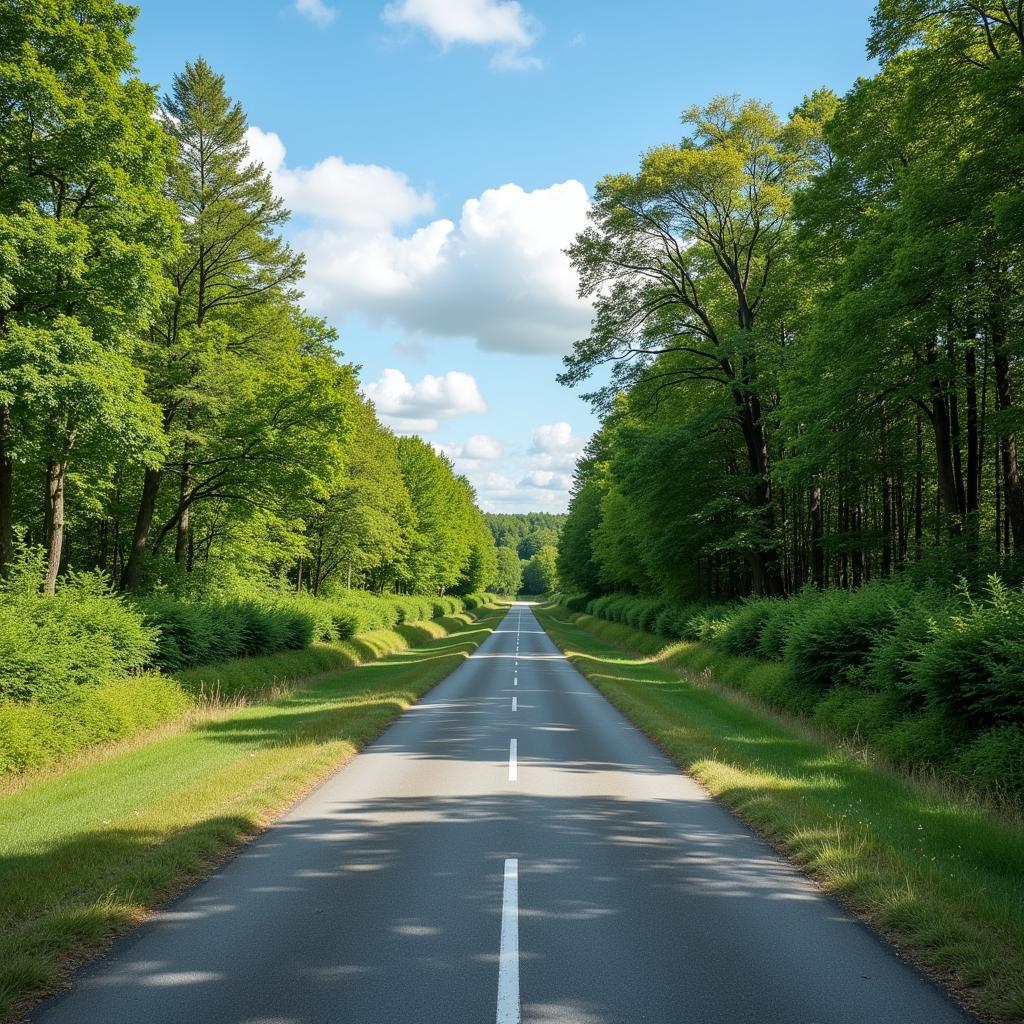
[[665, 622], [704, 623], [81, 635], [995, 760], [576, 602], [929, 739], [779, 619], [741, 630], [831, 638], [855, 712], [893, 660], [974, 664], [33, 735]]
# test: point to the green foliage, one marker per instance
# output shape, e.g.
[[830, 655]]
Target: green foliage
[[741, 633], [921, 675], [508, 578], [540, 574], [196, 634], [83, 636], [995, 760], [831, 641], [43, 732], [974, 664]]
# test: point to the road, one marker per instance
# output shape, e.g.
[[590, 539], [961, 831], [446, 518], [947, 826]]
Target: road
[[511, 848]]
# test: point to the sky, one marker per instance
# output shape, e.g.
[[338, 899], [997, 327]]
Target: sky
[[438, 157]]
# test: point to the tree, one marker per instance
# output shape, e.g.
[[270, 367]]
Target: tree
[[508, 577], [85, 227], [227, 288], [540, 575], [683, 260], [537, 539]]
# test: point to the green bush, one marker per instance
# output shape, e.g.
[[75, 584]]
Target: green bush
[[974, 664], [82, 635], [741, 631], [779, 618], [854, 712], [929, 739], [665, 622], [892, 663], [831, 638], [34, 735], [995, 760]]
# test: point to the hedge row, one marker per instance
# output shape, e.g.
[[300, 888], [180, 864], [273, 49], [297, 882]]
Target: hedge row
[[931, 678], [86, 636]]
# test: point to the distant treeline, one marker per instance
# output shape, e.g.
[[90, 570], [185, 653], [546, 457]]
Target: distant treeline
[[527, 551]]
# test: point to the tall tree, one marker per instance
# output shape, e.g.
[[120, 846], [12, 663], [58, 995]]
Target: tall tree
[[85, 227], [233, 265], [683, 260]]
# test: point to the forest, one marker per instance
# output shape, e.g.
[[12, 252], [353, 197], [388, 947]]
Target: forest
[[188, 470], [815, 326]]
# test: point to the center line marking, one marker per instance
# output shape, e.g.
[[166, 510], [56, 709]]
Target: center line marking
[[508, 955], [513, 763], [515, 704]]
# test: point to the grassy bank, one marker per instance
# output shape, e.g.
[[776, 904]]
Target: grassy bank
[[942, 875], [88, 852]]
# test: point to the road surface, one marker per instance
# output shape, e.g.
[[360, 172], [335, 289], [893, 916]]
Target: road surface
[[511, 848]]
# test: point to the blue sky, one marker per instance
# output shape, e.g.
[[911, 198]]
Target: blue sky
[[438, 155]]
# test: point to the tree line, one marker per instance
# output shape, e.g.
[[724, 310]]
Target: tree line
[[169, 412], [527, 551], [815, 327]]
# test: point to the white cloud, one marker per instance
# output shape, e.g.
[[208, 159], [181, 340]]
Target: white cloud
[[545, 479], [499, 23], [555, 446], [499, 276], [361, 197], [316, 11], [483, 448], [421, 406], [536, 475]]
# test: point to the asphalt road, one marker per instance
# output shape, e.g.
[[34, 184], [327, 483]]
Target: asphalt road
[[511, 845]]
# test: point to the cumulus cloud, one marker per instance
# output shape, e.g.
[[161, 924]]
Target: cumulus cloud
[[421, 406], [499, 276], [358, 197], [316, 11], [555, 446], [509, 477], [502, 24], [545, 479]]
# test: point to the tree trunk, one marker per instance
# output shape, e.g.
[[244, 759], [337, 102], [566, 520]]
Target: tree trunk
[[945, 472], [6, 493], [764, 563], [887, 525], [181, 540], [131, 578], [55, 477], [1013, 492], [817, 539]]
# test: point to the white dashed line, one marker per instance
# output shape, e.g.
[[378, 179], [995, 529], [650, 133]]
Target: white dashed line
[[513, 762], [508, 956], [515, 703]]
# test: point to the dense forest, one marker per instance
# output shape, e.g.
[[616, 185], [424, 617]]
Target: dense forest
[[808, 466], [527, 551], [170, 416], [815, 329]]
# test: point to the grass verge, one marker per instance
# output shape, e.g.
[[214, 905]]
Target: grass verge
[[941, 875], [89, 852]]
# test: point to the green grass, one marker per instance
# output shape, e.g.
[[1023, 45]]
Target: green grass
[[86, 853], [940, 873]]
